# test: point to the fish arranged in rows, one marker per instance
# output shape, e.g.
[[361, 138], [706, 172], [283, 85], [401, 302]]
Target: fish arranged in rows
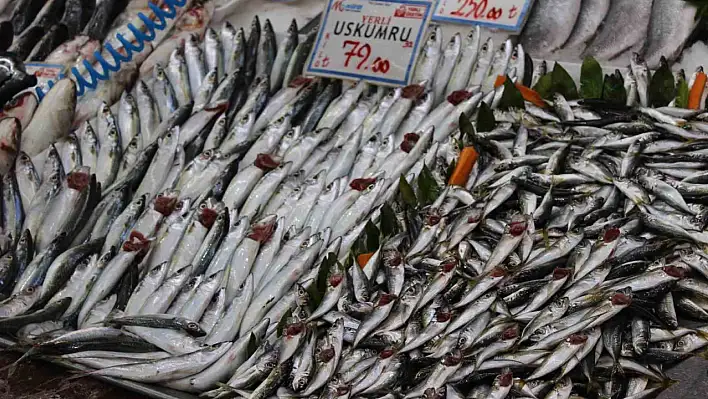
[[610, 29], [219, 235]]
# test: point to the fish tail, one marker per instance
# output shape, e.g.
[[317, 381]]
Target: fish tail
[[11, 368], [617, 368], [75, 374]]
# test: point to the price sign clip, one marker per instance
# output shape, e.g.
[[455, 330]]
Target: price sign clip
[[373, 40]]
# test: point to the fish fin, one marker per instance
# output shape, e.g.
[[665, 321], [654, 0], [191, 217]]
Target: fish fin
[[668, 383]]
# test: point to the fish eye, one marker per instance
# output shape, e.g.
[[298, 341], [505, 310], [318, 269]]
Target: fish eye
[[169, 135], [202, 206], [30, 290], [245, 119], [193, 326]]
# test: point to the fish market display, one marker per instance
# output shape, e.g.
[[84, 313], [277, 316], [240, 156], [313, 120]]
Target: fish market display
[[607, 29], [230, 228]]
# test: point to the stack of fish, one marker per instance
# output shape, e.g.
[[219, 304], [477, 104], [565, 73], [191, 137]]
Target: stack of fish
[[608, 29], [36, 27], [219, 233]]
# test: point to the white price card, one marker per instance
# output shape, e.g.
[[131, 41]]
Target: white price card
[[371, 40], [501, 14]]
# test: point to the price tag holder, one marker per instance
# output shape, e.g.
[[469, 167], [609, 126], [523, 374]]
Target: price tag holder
[[508, 15], [376, 41]]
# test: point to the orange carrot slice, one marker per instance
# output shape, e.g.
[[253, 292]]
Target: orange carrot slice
[[468, 157], [529, 95], [694, 96], [363, 259]]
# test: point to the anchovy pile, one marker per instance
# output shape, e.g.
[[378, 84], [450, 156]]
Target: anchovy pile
[[297, 237]]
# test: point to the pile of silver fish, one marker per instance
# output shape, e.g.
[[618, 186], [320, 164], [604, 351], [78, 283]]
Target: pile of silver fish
[[609, 29], [232, 229]]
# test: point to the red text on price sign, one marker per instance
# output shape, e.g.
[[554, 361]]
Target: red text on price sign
[[372, 40], [362, 52], [504, 14]]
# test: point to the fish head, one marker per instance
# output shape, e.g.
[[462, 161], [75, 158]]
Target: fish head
[[134, 145], [559, 306], [194, 329], [169, 139], [333, 189], [281, 124], [208, 213], [435, 37], [24, 163], [211, 34]]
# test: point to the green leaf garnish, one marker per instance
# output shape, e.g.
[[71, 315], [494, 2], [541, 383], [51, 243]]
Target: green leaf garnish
[[662, 87], [590, 79], [563, 83], [511, 97], [485, 118]]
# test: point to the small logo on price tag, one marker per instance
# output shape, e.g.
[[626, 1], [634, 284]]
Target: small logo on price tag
[[508, 15], [371, 40]]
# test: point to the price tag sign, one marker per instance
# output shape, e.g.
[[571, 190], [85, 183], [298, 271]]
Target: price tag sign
[[371, 40], [45, 73], [500, 14]]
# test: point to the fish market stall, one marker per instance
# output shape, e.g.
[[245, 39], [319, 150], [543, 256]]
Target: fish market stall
[[224, 200]]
